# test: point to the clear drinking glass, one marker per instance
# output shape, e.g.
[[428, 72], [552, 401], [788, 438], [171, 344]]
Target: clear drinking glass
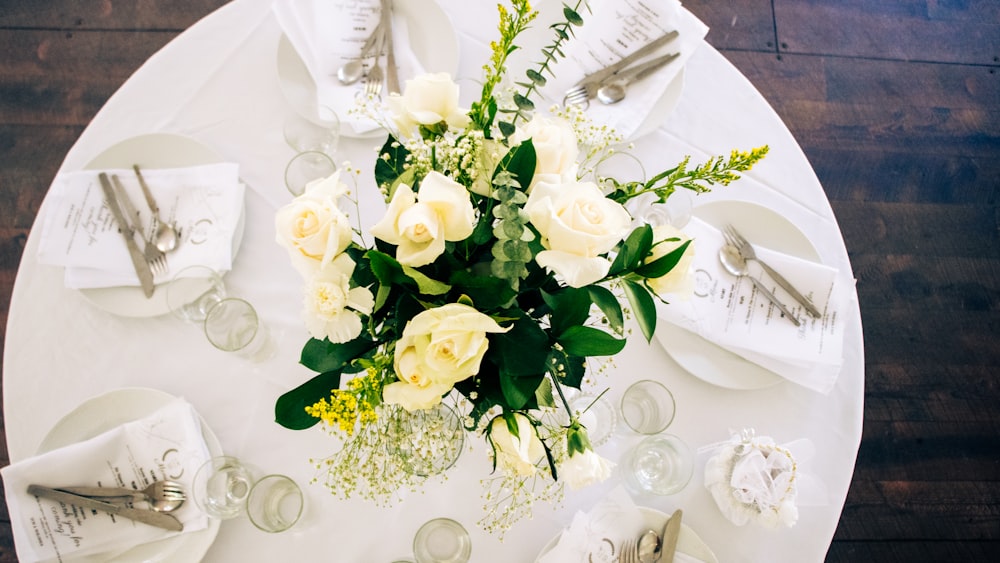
[[233, 325], [442, 540], [659, 465], [221, 486], [648, 407], [193, 291], [599, 419], [275, 503], [305, 168], [321, 134]]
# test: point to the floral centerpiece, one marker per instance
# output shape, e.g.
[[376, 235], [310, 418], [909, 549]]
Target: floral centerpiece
[[497, 271]]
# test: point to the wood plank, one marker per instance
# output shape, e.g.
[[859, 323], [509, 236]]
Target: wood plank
[[923, 229], [942, 394], [920, 511], [877, 550], [41, 81], [736, 24], [932, 451], [76, 15], [956, 32], [29, 158], [902, 335]]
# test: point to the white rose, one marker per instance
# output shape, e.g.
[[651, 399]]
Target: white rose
[[679, 280], [312, 227], [438, 348], [516, 453], [578, 224], [419, 224], [427, 100], [556, 148], [333, 308], [584, 468]]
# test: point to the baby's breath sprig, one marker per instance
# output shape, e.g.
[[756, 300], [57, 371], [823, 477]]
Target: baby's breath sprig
[[717, 170]]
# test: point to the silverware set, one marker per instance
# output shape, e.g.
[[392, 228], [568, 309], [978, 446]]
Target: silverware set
[[150, 259], [378, 42], [609, 84], [734, 257], [650, 547], [162, 497]]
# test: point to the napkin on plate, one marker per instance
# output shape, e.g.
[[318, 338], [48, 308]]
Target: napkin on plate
[[81, 234], [598, 534], [614, 30], [167, 444], [729, 312], [327, 35]]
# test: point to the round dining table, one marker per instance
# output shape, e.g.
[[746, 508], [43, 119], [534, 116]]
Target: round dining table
[[219, 84]]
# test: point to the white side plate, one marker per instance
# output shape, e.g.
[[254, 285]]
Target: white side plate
[[156, 150], [706, 360], [104, 412]]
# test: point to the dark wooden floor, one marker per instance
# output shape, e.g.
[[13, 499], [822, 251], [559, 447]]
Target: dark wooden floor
[[895, 102]]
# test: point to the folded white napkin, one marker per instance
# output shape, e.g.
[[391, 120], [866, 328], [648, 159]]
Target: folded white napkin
[[167, 444], [729, 312], [598, 534], [81, 234], [613, 31], [327, 35]]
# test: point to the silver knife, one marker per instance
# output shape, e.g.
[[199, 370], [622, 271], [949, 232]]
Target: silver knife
[[600, 75], [809, 307], [392, 69], [671, 532], [158, 519], [142, 268]]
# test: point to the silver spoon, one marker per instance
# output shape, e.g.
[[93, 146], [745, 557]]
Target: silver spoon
[[648, 546], [352, 71], [614, 92], [731, 260], [165, 238]]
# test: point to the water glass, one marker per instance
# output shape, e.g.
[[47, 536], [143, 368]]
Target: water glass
[[221, 486], [233, 325], [321, 134], [659, 465], [193, 291], [426, 441], [599, 417], [275, 503], [305, 168], [442, 540], [648, 407]]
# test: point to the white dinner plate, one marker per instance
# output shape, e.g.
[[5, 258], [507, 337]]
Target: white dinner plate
[[706, 360], [688, 542], [114, 408], [432, 40], [155, 150]]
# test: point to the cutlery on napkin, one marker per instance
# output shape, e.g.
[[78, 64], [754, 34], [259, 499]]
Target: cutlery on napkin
[[728, 312], [168, 443], [80, 234]]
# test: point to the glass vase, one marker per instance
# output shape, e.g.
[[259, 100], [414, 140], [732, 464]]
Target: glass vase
[[426, 442]]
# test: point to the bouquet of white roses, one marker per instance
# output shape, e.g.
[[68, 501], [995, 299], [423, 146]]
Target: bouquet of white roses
[[495, 272]]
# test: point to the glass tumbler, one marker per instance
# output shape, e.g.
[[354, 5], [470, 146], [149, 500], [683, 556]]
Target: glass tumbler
[[275, 503], [442, 540], [659, 465], [306, 168], [648, 407], [233, 325], [193, 291], [221, 486]]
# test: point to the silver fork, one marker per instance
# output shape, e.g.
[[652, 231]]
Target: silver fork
[[585, 89], [155, 257], [748, 253], [629, 552], [373, 80]]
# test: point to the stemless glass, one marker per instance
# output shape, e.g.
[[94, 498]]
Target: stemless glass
[[193, 291], [648, 407], [305, 168], [442, 540], [659, 465], [599, 417], [221, 486], [233, 325], [275, 503], [321, 134]]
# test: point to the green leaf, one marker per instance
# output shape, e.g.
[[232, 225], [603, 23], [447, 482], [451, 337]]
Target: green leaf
[[589, 341], [506, 128], [572, 16], [523, 103], [323, 355], [521, 351], [425, 284], [518, 391], [609, 305], [643, 306], [543, 394], [387, 270], [659, 267], [535, 77], [570, 307], [487, 292], [388, 168], [290, 408], [633, 250], [520, 163]]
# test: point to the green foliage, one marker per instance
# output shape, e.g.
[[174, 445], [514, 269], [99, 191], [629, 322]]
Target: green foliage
[[290, 408]]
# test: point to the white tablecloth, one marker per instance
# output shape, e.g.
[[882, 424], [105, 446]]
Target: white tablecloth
[[218, 83]]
